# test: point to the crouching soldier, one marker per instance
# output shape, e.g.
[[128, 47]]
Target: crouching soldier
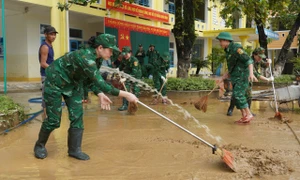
[[161, 67], [130, 65]]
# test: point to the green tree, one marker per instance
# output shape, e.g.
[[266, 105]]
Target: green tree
[[217, 57], [184, 32], [288, 16], [254, 10]]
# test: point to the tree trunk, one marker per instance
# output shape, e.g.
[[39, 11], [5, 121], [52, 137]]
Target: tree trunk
[[281, 60], [184, 32], [262, 37]]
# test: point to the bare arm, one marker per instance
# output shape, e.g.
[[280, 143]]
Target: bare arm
[[44, 54], [251, 75]]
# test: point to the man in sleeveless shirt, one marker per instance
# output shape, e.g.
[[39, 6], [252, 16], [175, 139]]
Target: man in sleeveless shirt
[[46, 56]]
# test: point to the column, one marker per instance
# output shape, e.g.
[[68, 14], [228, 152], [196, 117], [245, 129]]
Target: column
[[244, 40], [59, 22]]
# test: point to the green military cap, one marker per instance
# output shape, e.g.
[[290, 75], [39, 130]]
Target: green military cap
[[151, 45], [126, 49], [260, 52], [107, 41], [166, 56], [225, 36]]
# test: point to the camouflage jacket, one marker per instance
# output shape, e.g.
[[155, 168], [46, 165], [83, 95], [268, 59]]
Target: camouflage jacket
[[237, 60], [257, 66], [161, 66], [74, 68], [152, 56], [140, 55], [131, 66]]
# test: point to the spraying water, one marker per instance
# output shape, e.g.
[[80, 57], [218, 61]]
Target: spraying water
[[146, 87]]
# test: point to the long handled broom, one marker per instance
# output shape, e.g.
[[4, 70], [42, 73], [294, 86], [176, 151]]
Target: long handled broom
[[278, 115], [225, 155], [132, 107], [201, 104], [155, 100]]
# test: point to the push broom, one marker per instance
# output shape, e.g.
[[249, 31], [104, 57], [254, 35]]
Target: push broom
[[225, 155], [132, 107], [155, 100], [201, 104], [278, 115]]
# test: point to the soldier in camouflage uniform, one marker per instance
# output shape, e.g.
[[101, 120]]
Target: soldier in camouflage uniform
[[240, 70], [257, 57], [63, 79], [130, 65], [161, 67], [153, 56]]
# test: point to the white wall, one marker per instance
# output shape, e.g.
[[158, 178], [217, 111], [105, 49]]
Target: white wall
[[88, 29], [16, 44], [33, 42]]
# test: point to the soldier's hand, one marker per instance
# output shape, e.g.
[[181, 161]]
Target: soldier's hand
[[131, 97], [270, 79], [252, 78], [269, 61], [163, 78], [104, 101]]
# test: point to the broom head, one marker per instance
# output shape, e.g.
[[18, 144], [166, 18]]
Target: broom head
[[227, 157], [132, 107], [278, 115], [154, 101], [201, 104]]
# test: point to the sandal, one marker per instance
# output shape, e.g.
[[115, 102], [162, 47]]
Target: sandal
[[244, 120], [240, 120]]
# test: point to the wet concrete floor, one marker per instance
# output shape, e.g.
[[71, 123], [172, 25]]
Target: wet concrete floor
[[145, 146]]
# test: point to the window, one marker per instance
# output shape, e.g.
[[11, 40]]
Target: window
[[146, 3], [200, 12], [42, 28], [76, 41], [75, 33], [169, 7]]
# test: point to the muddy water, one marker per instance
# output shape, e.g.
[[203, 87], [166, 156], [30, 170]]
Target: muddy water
[[144, 146]]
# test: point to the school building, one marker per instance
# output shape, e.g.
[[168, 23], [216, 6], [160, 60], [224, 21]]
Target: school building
[[142, 22]]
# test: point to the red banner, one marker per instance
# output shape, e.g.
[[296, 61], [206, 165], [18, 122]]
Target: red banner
[[139, 11], [123, 38], [118, 24]]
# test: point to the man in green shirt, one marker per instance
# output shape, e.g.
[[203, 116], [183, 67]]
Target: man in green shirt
[[240, 71], [257, 56], [64, 78]]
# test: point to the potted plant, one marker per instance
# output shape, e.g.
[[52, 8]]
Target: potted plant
[[200, 63]]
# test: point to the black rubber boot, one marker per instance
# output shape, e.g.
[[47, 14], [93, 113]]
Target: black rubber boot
[[124, 106], [40, 150], [231, 107], [249, 104], [74, 144]]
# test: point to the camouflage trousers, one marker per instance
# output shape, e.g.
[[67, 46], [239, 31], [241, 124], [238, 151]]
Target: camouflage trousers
[[240, 91], [249, 91], [53, 100], [158, 82], [132, 87]]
